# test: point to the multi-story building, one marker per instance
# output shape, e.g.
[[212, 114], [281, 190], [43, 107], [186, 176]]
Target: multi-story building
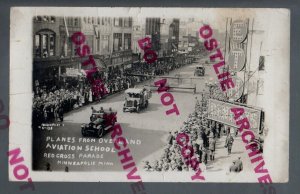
[[164, 33], [174, 36], [138, 32], [109, 40], [52, 48], [121, 42]]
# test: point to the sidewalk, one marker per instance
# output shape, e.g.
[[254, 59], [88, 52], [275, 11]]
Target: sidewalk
[[223, 161]]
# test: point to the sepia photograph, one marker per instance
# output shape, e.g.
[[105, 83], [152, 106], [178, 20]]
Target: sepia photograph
[[151, 94]]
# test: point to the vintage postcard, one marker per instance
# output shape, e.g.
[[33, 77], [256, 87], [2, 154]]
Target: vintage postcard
[[149, 94]]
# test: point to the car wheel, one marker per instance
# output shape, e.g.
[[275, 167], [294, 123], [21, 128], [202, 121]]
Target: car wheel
[[83, 132], [100, 132]]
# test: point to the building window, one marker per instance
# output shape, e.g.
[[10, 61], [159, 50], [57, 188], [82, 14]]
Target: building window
[[76, 22], [127, 41], [45, 52], [70, 21], [38, 18], [37, 45], [52, 19], [126, 22], [261, 65], [130, 22], [51, 44], [120, 22], [46, 18], [105, 43], [98, 44], [44, 44], [260, 87], [102, 21], [117, 41], [98, 21], [89, 42], [116, 22], [71, 50]]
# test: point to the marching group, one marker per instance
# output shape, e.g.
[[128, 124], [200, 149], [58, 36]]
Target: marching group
[[203, 134]]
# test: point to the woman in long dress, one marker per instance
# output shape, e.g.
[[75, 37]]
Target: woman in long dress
[[90, 96]]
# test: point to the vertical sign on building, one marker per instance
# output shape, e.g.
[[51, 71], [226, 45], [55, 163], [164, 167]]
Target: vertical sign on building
[[237, 55]]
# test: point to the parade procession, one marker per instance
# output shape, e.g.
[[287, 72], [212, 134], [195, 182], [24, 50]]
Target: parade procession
[[159, 96]]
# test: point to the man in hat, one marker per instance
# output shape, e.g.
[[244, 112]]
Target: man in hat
[[229, 142], [212, 148], [61, 113], [93, 110], [147, 166], [101, 110], [166, 166], [170, 138], [156, 166]]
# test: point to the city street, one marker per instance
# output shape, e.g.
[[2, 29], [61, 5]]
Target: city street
[[146, 131]]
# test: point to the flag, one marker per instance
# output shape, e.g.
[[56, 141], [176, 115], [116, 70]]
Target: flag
[[67, 31]]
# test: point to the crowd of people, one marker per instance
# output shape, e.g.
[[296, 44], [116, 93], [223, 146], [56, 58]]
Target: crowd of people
[[203, 134], [50, 104], [160, 67]]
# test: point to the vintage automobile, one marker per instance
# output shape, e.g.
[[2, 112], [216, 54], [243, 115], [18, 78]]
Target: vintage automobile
[[136, 99], [199, 71], [101, 122]]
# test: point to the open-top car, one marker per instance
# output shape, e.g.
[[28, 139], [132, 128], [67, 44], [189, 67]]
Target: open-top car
[[101, 122], [199, 71], [136, 99]]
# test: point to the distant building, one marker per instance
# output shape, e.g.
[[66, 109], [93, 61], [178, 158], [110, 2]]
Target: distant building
[[164, 33], [138, 32]]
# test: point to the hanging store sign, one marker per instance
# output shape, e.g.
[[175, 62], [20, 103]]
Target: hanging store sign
[[220, 111], [238, 31], [236, 59], [237, 53], [71, 72]]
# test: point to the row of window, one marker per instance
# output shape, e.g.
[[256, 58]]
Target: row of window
[[105, 43], [105, 21], [117, 42], [50, 19], [118, 22], [44, 42]]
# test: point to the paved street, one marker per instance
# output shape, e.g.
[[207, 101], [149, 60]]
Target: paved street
[[146, 131]]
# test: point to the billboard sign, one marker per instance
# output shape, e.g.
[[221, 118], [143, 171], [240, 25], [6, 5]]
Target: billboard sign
[[220, 111]]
